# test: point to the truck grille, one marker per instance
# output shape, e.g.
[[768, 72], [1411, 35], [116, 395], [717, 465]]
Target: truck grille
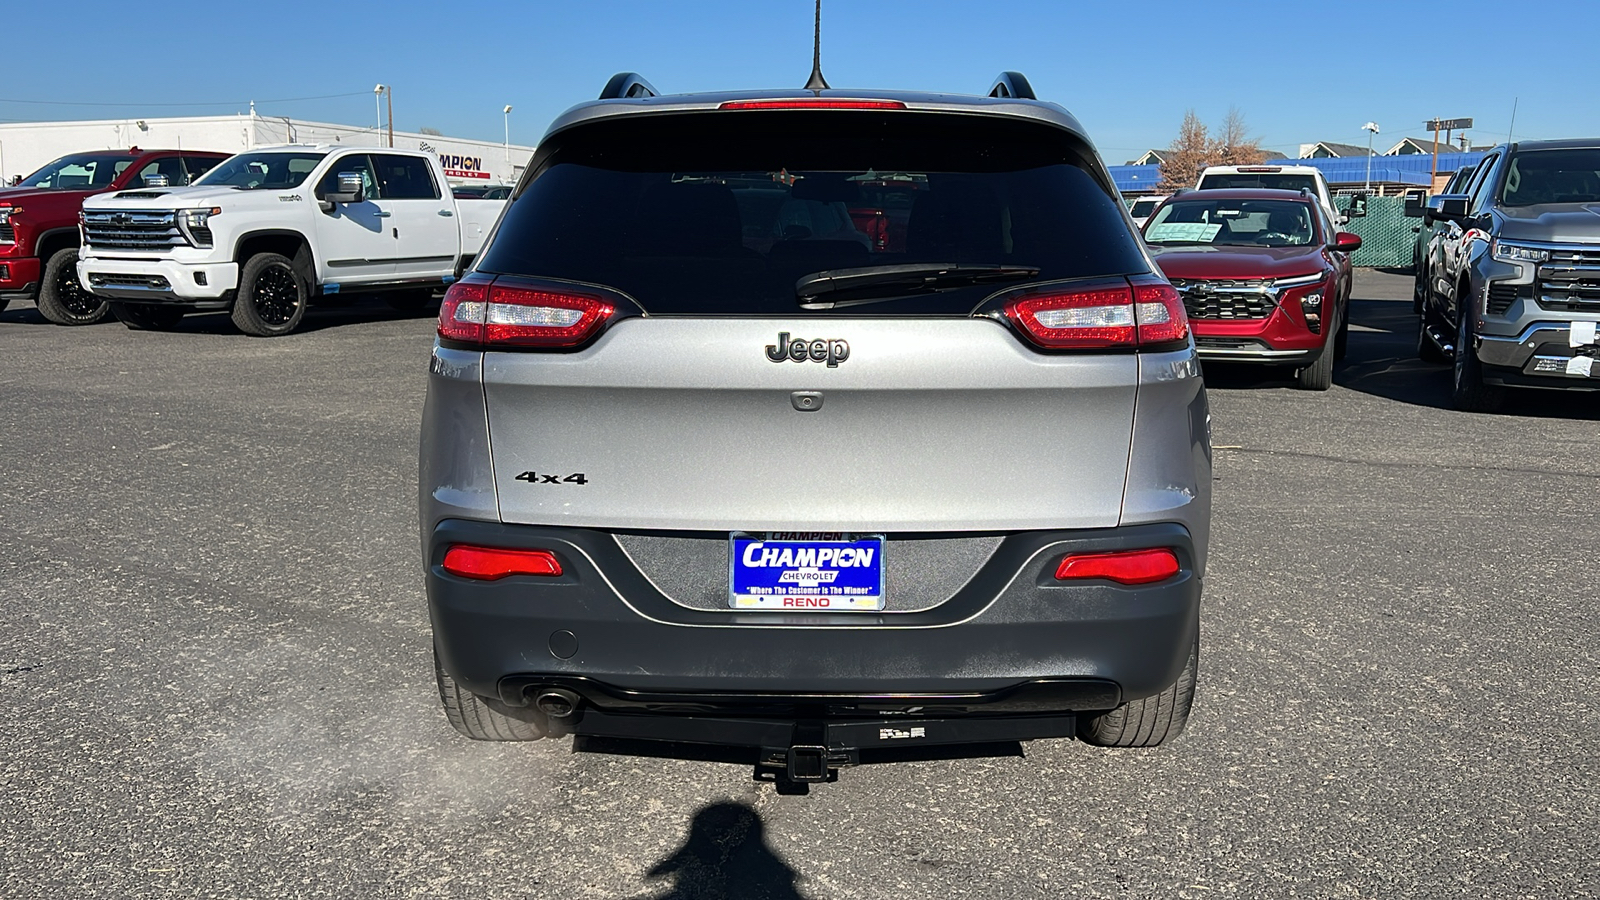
[[8, 234], [1570, 279], [132, 230], [1225, 298]]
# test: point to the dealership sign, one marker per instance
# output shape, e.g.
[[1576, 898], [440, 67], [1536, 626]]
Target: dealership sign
[[462, 166]]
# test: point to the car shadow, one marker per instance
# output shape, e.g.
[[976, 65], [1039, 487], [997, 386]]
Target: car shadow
[[317, 318], [1382, 361], [725, 855]]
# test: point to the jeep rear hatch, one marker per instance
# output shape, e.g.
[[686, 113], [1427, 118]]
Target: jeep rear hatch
[[798, 320]]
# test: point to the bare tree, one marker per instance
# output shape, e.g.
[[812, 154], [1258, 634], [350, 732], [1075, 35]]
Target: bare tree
[[1195, 148], [1187, 154]]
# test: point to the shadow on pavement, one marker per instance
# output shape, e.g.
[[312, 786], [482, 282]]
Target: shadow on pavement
[[318, 317], [726, 855]]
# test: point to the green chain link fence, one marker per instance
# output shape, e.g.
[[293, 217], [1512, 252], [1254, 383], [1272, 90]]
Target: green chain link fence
[[1386, 235]]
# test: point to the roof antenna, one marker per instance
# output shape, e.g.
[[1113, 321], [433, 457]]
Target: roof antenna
[[816, 82]]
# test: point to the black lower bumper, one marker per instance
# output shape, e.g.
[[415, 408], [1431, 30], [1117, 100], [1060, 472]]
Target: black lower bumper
[[1013, 643]]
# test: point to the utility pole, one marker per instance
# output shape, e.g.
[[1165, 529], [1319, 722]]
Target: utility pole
[[1445, 125], [388, 93]]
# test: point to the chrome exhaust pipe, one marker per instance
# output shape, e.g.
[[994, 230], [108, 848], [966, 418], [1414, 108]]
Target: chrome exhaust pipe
[[557, 703]]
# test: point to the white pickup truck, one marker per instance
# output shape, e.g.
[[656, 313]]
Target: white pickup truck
[[267, 232]]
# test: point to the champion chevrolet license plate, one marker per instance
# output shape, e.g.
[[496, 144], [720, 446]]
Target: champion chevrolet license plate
[[806, 571]]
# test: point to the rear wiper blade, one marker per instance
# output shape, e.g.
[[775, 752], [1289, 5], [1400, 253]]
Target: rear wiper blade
[[877, 283]]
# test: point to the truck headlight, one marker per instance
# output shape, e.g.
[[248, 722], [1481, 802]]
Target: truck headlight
[[1519, 253], [196, 224], [6, 212]]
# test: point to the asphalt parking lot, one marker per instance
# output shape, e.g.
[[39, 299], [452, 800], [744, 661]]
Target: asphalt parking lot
[[214, 656]]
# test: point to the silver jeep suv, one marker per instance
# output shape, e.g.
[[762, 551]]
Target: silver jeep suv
[[813, 424]]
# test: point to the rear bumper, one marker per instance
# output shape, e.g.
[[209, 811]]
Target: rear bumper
[[158, 280], [1012, 641], [19, 277]]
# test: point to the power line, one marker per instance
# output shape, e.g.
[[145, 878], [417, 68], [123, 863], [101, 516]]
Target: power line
[[217, 103]]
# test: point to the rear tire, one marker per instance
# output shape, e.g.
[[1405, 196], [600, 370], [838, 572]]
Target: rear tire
[[145, 317], [62, 298], [1151, 721], [483, 719], [272, 296]]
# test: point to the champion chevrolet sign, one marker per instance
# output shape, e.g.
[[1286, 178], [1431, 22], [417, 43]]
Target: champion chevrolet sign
[[462, 166]]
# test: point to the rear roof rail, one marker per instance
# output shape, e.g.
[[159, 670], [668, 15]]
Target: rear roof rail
[[1012, 85], [627, 85]]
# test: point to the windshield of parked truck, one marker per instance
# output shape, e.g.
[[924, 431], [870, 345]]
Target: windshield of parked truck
[[271, 171], [1552, 176], [1277, 181], [1250, 223], [79, 171], [710, 214]]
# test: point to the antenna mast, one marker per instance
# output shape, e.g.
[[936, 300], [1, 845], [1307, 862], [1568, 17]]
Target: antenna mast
[[816, 82]]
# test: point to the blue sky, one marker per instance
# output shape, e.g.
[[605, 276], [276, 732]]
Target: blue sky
[[1298, 71]]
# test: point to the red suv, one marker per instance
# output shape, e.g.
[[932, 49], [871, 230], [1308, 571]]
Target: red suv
[[39, 222], [1265, 277]]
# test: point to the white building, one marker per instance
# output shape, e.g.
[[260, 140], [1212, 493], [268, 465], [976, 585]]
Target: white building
[[26, 146]]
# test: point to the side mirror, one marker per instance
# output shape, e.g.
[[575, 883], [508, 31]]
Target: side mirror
[[1358, 207], [351, 189], [1346, 242], [1414, 206], [1451, 207], [155, 181], [1344, 218]]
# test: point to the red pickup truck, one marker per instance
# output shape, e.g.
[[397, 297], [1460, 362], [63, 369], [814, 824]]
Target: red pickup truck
[[39, 222]]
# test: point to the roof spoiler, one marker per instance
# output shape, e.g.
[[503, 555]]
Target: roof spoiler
[[1012, 85], [627, 86]]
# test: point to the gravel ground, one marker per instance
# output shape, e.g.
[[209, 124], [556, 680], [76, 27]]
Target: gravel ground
[[216, 678]]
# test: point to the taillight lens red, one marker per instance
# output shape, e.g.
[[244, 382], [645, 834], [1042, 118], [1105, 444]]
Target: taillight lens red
[[1140, 313], [1122, 566], [495, 563], [498, 313], [811, 103]]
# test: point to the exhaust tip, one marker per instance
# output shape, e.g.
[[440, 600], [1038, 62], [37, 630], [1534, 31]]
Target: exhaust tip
[[557, 703]]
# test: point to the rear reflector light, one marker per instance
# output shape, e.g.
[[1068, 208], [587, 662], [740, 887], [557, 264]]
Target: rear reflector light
[[1123, 566], [499, 314], [812, 103], [493, 563], [1141, 313]]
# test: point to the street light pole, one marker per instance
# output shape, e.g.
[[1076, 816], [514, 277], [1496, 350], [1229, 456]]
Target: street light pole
[[508, 137], [377, 107], [1371, 128]]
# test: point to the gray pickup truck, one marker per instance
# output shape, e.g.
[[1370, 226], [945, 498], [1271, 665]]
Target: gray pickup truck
[[1514, 299]]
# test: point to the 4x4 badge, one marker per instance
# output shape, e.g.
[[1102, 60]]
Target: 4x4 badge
[[829, 351]]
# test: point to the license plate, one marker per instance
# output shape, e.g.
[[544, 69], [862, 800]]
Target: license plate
[[824, 572]]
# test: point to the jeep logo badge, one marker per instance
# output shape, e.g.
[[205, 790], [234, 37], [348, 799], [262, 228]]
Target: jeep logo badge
[[831, 352]]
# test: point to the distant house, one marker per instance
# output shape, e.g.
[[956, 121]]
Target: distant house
[[1408, 146], [1331, 150], [1150, 158]]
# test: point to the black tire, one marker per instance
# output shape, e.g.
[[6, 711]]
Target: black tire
[[1419, 287], [62, 299], [410, 301], [1149, 722], [146, 317], [1427, 350], [483, 719], [272, 296], [4, 302], [1319, 375], [1468, 392]]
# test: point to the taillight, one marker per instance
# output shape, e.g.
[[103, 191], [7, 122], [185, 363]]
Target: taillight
[[495, 563], [811, 103], [1122, 566], [496, 313], [1143, 312]]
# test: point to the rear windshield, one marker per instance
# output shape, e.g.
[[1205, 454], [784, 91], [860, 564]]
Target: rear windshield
[[717, 213], [1143, 208], [1271, 180]]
